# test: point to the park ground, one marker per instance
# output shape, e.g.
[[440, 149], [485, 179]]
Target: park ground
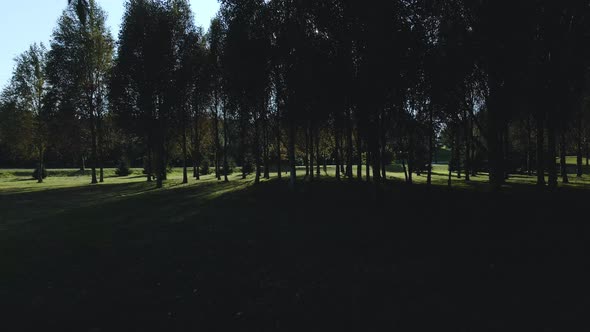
[[215, 256]]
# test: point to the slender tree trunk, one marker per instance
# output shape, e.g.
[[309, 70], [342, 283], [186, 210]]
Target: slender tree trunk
[[430, 144], [266, 149], [405, 170], [291, 148], [540, 151], [40, 169], [184, 154], [311, 153], [563, 157], [243, 145], [368, 165], [100, 148], [349, 145], [160, 167], [376, 162], [359, 151], [458, 152], [257, 149], [528, 147], [148, 167], [579, 156], [382, 147], [551, 155], [160, 163], [225, 145], [337, 152], [467, 146], [506, 153], [279, 168], [94, 149], [317, 148], [411, 158], [216, 139], [587, 144], [452, 160], [449, 180], [197, 148], [306, 158]]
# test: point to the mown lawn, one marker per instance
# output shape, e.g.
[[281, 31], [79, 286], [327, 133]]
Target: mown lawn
[[215, 256]]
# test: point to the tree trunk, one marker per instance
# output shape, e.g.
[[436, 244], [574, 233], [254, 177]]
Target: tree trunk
[[563, 157], [266, 149], [225, 145], [337, 152], [184, 165], [279, 170], [291, 148], [257, 150], [551, 155], [216, 139], [457, 149], [467, 146], [368, 165], [342, 161], [317, 148], [40, 169], [540, 151], [506, 153], [430, 145], [94, 149], [411, 158], [529, 155], [405, 170], [359, 152], [579, 156], [311, 153], [376, 160], [349, 145], [148, 167], [306, 158], [100, 149], [160, 168], [382, 146]]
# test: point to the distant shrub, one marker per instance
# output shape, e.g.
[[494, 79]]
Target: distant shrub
[[248, 167], [230, 170], [36, 173], [123, 168], [205, 167]]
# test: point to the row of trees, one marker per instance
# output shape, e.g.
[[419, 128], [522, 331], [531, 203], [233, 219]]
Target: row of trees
[[502, 84]]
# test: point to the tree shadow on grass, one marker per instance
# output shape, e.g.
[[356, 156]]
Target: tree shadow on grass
[[230, 255]]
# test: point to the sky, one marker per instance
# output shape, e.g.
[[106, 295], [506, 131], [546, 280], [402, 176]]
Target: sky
[[23, 22]]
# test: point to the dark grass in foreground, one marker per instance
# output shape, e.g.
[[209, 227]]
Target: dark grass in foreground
[[235, 257]]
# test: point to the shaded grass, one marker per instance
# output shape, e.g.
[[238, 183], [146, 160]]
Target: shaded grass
[[233, 256]]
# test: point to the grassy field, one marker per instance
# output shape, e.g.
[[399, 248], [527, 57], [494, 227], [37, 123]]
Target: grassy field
[[215, 256]]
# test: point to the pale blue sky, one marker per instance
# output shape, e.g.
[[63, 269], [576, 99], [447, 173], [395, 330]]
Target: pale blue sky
[[23, 22]]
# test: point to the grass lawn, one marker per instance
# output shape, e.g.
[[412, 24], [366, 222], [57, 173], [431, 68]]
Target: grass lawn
[[215, 256]]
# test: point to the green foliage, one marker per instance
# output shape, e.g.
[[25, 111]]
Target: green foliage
[[123, 168], [204, 168]]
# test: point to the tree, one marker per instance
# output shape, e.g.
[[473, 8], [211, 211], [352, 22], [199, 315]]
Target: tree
[[30, 89]]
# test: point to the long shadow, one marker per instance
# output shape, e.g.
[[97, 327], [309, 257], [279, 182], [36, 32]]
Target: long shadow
[[230, 255]]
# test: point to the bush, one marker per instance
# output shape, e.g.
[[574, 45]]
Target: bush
[[36, 173], [248, 167], [204, 169], [230, 170], [123, 168]]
